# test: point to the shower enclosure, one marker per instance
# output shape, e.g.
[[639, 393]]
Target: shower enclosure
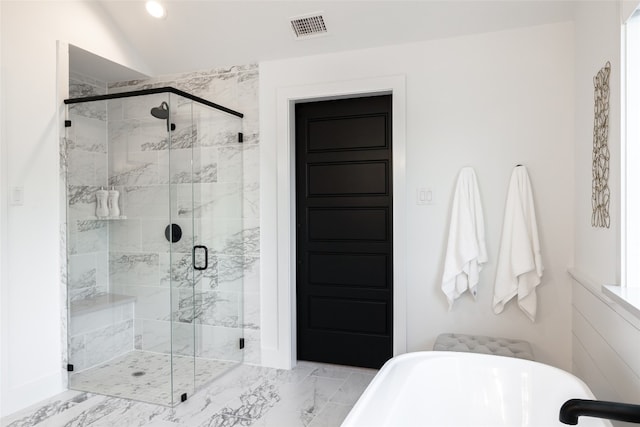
[[154, 243]]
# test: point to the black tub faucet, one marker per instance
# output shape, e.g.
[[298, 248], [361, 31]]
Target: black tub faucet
[[573, 408]]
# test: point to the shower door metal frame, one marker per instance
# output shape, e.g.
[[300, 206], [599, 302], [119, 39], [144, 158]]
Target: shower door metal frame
[[152, 91]]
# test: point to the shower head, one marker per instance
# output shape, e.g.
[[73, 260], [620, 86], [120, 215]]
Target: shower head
[[161, 112]]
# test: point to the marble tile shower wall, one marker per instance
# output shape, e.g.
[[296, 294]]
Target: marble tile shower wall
[[157, 186], [87, 240]]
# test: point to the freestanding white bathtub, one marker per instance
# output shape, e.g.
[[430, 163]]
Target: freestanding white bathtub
[[439, 389]]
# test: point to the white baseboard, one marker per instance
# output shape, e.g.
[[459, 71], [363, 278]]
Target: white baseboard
[[25, 395]]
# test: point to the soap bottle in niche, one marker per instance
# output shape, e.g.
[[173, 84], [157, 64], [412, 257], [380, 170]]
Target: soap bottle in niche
[[102, 210], [112, 202]]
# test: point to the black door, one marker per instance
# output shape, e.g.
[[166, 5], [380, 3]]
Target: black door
[[344, 234]]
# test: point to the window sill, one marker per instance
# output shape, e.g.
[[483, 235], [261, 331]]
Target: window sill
[[629, 298]]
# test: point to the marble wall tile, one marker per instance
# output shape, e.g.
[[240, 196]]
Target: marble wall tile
[[115, 111], [92, 109], [248, 87], [251, 277], [210, 201], [87, 134], [82, 168], [230, 163], [135, 135], [205, 165], [251, 163], [251, 237], [185, 307], [134, 168], [202, 84], [222, 236], [156, 337], [125, 235], [102, 273], [231, 269], [217, 131], [177, 271], [64, 294], [82, 270], [108, 342], [208, 279], [153, 238], [217, 308], [129, 268], [102, 172], [91, 236], [81, 85], [251, 310], [220, 343], [81, 201], [148, 202], [251, 200], [184, 339], [176, 164]]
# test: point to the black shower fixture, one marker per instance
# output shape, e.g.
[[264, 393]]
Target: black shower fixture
[[162, 113]]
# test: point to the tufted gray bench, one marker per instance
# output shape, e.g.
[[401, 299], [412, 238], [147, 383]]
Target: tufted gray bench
[[487, 345]]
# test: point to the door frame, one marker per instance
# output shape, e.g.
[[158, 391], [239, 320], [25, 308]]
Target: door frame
[[278, 217]]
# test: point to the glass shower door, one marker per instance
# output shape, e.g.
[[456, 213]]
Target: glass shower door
[[181, 272], [155, 290], [218, 241]]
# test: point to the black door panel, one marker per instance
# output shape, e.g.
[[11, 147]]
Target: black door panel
[[344, 242]]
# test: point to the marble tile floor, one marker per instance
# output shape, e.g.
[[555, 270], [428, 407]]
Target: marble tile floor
[[147, 376], [310, 395]]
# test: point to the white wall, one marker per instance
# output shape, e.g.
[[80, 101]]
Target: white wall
[[489, 101], [605, 338], [31, 305], [597, 41]]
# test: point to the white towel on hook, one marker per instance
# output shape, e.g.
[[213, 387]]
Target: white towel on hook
[[466, 248], [519, 268]]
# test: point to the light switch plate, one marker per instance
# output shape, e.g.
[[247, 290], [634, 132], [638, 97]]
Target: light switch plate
[[424, 196], [17, 196]]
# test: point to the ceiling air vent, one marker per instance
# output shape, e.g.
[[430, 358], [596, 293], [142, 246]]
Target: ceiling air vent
[[308, 25]]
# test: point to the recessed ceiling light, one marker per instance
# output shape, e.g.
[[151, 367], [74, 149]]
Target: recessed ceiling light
[[155, 9]]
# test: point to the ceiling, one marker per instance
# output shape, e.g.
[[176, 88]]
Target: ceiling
[[198, 35]]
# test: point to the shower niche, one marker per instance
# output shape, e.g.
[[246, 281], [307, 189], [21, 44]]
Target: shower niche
[[154, 287]]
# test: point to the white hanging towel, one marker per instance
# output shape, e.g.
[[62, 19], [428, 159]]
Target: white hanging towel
[[466, 248], [519, 266]]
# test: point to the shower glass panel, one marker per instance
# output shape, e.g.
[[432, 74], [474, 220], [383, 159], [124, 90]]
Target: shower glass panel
[[155, 269]]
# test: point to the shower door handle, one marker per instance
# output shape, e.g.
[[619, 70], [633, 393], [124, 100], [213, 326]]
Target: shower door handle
[[206, 257]]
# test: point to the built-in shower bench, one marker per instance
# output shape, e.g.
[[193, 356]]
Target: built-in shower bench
[[101, 328], [483, 344], [99, 302]]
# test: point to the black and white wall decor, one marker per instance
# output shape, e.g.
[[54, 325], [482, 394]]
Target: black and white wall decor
[[600, 193]]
